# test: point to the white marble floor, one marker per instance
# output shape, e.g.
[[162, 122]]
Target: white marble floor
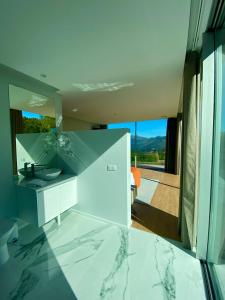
[[86, 259]]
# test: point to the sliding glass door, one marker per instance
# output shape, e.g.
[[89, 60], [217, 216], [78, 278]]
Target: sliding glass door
[[216, 237]]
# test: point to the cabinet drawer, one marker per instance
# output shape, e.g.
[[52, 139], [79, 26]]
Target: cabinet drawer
[[68, 195], [48, 204]]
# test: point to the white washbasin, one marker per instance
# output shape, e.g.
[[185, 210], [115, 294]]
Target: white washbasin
[[48, 174]]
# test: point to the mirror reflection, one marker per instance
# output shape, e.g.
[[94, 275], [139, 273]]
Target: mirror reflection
[[29, 113]]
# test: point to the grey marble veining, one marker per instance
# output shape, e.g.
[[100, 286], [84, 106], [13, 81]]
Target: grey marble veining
[[87, 259], [89, 240], [25, 285], [166, 273], [121, 258], [33, 248], [28, 279]]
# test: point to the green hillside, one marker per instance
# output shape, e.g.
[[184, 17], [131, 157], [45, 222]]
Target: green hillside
[[143, 144]]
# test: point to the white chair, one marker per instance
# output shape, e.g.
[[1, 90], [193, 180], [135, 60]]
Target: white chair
[[8, 233]]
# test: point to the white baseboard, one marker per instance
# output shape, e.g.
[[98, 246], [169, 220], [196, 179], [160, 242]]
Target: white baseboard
[[99, 218]]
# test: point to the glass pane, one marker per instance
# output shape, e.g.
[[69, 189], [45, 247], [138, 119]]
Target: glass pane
[[148, 142], [151, 143], [216, 245]]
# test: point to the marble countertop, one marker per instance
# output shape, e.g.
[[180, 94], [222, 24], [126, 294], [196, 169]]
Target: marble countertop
[[25, 182]]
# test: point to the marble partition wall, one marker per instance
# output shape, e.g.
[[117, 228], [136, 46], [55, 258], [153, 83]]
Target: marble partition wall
[[90, 155], [38, 148]]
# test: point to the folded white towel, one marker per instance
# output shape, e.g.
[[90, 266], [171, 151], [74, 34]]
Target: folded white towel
[[36, 183]]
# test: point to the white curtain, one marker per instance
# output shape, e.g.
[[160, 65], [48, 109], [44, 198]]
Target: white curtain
[[189, 152]]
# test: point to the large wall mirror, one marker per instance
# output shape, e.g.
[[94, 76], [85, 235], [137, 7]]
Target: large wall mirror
[[29, 113]]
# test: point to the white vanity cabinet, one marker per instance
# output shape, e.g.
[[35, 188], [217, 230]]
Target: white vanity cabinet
[[40, 205], [48, 204]]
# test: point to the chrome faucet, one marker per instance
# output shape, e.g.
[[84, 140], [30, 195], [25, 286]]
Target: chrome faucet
[[31, 171], [33, 168], [26, 164]]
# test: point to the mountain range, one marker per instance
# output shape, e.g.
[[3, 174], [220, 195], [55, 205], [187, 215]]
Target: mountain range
[[144, 144]]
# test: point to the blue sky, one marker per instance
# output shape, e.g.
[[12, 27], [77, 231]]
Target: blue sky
[[149, 128], [31, 115]]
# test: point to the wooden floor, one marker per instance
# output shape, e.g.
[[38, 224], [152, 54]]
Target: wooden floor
[[161, 216]]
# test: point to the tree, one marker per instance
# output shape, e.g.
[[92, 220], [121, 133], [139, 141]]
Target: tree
[[34, 125]]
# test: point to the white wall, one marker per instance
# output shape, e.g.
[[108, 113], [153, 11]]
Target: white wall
[[8, 76], [7, 193], [71, 124], [102, 193]]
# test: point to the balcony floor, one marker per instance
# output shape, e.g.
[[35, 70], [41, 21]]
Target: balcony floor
[[161, 215]]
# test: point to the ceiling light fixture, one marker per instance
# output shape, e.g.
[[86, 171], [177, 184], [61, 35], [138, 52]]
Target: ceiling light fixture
[[74, 109]]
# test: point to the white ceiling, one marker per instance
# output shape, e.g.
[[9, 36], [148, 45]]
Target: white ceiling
[[112, 60]]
